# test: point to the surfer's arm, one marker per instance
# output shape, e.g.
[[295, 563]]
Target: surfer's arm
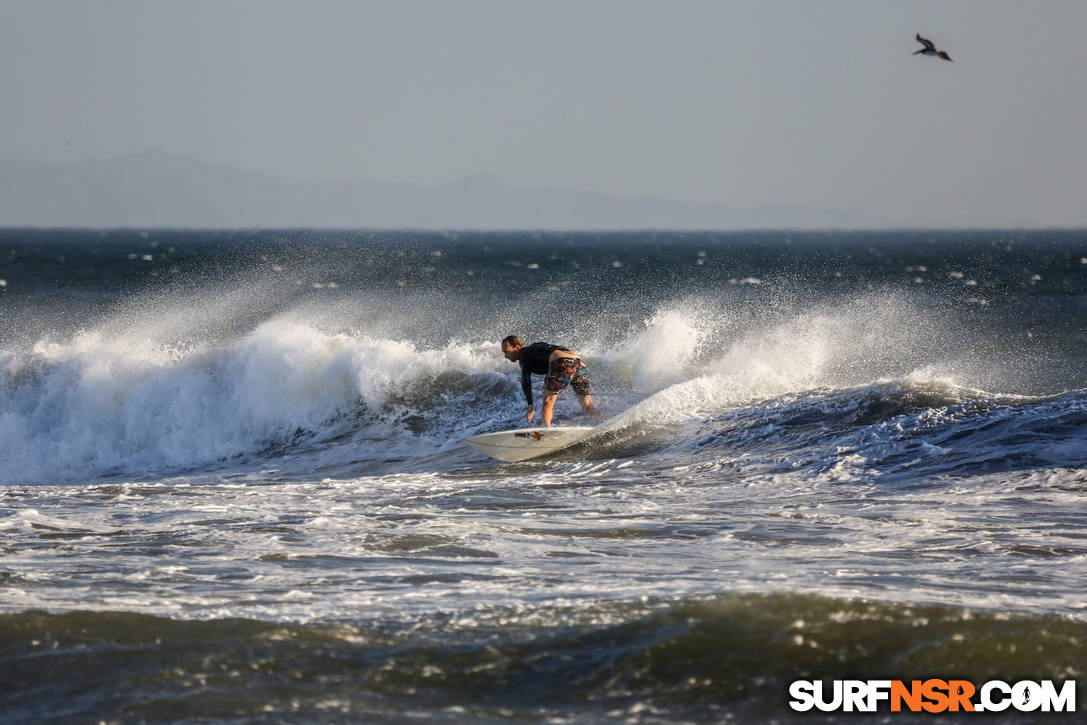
[[526, 384]]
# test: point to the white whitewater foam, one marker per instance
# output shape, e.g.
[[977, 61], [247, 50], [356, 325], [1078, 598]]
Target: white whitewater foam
[[96, 403], [693, 362]]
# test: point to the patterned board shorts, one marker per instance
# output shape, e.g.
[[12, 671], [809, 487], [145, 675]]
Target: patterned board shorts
[[567, 371]]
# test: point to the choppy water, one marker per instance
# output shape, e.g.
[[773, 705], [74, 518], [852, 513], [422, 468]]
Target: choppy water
[[235, 489]]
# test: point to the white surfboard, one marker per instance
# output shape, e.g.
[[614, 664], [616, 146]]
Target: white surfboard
[[522, 444]]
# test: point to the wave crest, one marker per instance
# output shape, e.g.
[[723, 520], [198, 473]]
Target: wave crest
[[95, 404]]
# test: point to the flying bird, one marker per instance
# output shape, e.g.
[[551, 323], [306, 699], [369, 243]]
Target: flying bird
[[930, 49]]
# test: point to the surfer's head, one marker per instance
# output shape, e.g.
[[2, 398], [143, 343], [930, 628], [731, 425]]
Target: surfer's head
[[511, 348]]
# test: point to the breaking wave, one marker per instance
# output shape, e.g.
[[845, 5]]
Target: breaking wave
[[107, 401]]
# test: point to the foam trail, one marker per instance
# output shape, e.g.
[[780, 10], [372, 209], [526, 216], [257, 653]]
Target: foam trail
[[659, 355], [797, 350]]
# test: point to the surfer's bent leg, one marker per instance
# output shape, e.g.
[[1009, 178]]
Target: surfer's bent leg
[[580, 384]]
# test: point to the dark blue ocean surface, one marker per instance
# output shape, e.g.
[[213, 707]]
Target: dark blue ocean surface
[[234, 485]]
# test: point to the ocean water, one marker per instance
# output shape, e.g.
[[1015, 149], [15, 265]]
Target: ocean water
[[233, 484]]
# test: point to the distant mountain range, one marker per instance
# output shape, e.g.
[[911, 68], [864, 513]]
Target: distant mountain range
[[154, 189]]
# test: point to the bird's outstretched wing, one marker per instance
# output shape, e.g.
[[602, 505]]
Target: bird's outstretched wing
[[944, 55], [929, 45]]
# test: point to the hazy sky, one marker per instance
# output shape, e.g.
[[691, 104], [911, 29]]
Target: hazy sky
[[737, 103]]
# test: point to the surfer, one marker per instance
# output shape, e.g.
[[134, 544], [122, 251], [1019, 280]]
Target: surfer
[[561, 367]]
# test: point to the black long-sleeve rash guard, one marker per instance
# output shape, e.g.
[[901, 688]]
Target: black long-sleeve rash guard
[[535, 359]]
